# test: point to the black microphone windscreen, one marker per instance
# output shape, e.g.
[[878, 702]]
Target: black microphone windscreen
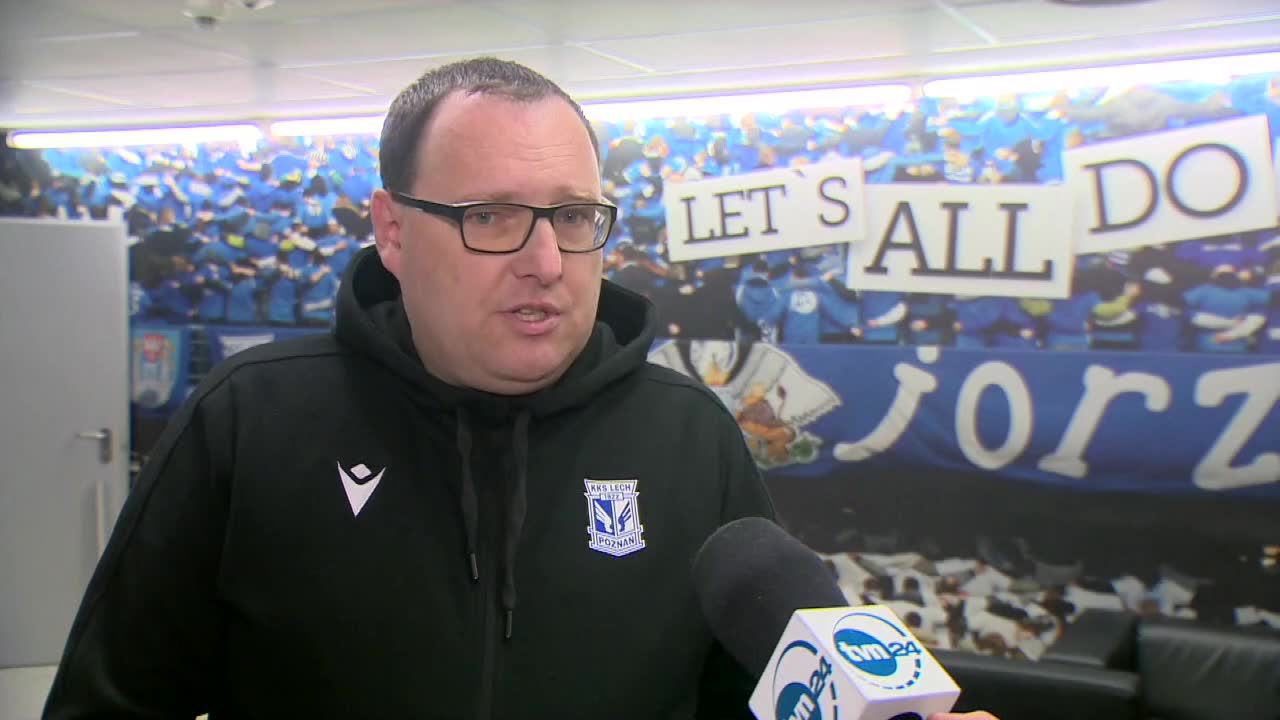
[[750, 577]]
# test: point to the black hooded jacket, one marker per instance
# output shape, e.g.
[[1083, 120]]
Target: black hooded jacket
[[327, 531]]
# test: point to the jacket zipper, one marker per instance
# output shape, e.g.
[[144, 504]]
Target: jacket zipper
[[490, 542], [490, 645]]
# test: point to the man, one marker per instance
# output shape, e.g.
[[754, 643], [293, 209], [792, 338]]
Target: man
[[315, 307], [1225, 313], [759, 303], [474, 499], [812, 310]]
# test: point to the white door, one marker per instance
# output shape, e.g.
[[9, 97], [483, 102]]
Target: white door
[[64, 422]]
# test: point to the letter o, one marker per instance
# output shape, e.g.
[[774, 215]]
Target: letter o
[[1005, 377], [1242, 184]]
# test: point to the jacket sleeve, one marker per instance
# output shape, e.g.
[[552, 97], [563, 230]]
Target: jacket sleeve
[[725, 686], [144, 641]]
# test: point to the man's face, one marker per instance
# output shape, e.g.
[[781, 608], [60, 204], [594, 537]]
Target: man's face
[[509, 324]]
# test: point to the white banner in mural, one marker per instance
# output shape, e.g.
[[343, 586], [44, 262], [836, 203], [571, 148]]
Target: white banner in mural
[[806, 206], [1009, 240], [232, 344], [1198, 182]]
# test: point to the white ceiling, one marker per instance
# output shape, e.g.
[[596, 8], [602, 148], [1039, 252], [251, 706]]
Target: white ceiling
[[119, 62]]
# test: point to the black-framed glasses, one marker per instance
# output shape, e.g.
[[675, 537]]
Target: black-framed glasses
[[500, 228]]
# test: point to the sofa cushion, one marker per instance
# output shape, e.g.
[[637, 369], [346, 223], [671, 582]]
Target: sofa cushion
[[1097, 638]]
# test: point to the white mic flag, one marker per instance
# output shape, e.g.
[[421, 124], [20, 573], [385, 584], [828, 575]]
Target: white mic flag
[[851, 663]]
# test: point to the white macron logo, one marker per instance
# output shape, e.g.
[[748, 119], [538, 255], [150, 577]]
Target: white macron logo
[[359, 489]]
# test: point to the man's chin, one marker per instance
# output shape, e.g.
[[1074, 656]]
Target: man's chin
[[523, 378]]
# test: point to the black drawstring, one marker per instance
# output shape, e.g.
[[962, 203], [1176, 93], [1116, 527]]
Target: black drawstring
[[470, 510], [516, 506]]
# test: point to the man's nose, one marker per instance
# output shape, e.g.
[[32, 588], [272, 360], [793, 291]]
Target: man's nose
[[540, 257]]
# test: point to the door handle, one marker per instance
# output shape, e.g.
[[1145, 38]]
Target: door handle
[[103, 437]]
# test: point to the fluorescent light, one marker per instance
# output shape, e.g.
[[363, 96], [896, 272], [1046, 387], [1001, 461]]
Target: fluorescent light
[[1208, 70], [765, 102], [874, 95], [246, 135], [363, 125]]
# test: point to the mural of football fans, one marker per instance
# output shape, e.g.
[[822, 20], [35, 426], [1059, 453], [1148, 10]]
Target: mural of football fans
[[222, 236], [832, 383], [232, 211]]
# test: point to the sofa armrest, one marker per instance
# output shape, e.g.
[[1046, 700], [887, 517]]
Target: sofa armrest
[[1195, 672], [1099, 639]]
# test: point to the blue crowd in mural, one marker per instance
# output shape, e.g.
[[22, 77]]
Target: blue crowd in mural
[[234, 238], [1212, 294], [224, 236], [228, 236]]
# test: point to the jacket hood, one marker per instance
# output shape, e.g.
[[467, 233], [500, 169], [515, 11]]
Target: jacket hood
[[371, 319]]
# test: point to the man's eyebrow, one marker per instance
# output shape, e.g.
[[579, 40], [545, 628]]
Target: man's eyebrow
[[564, 194], [582, 196]]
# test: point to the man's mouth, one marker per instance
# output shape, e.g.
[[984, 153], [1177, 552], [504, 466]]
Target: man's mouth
[[535, 312], [531, 314]]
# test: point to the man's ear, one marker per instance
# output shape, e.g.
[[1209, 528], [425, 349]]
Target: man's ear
[[386, 229]]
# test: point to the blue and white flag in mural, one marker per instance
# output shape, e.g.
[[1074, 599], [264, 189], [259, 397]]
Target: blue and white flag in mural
[[772, 397], [1086, 420]]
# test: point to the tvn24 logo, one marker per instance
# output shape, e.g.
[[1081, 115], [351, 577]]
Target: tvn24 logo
[[812, 700], [885, 654], [817, 699]]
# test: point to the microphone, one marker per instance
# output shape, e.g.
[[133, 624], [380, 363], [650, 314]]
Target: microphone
[[775, 607]]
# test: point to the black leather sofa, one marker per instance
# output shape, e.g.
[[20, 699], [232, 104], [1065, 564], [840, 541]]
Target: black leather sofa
[[1022, 690], [1116, 666]]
